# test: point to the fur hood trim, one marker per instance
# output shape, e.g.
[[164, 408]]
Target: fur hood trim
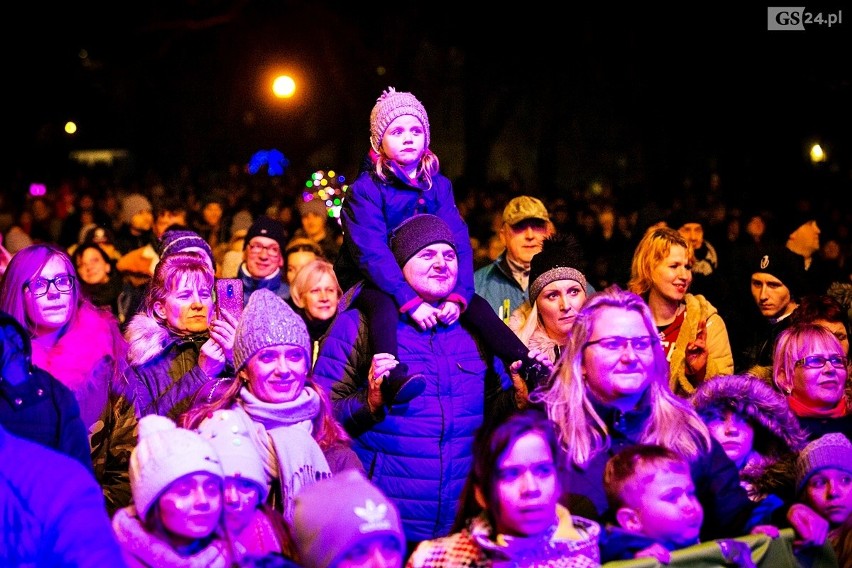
[[93, 337], [758, 402], [146, 338]]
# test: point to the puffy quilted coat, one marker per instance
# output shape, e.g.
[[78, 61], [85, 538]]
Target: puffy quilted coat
[[418, 453], [370, 212]]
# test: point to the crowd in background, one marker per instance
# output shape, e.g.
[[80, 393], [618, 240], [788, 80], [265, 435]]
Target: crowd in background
[[672, 372]]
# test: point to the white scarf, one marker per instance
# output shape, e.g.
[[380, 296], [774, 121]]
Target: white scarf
[[298, 459]]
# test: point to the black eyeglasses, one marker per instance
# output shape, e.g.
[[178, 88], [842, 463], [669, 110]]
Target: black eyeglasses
[[618, 343], [818, 361], [272, 250], [40, 286]]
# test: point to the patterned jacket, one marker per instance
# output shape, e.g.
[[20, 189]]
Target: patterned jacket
[[476, 547]]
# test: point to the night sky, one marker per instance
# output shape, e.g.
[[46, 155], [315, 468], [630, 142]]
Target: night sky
[[634, 95]]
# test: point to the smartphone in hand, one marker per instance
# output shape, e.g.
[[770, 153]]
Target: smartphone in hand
[[229, 297]]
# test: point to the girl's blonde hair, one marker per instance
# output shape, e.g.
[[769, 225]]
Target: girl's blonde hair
[[426, 168]]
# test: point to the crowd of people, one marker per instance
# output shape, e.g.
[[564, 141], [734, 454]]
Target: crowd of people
[[383, 390]]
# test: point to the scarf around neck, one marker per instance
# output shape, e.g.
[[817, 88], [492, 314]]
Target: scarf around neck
[[297, 456], [802, 410]]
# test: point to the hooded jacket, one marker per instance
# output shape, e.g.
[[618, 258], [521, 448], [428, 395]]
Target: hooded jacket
[[778, 436], [373, 209]]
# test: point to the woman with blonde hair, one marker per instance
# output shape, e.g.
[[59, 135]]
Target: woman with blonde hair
[[811, 369], [693, 334], [557, 291], [315, 295], [610, 391]]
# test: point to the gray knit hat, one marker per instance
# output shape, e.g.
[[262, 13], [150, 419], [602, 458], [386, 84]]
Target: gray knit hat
[[133, 204], [831, 450], [560, 258], [267, 320], [417, 232], [391, 105]]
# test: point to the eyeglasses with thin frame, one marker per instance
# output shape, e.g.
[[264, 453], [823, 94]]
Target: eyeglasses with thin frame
[[39, 287], [819, 361], [618, 343], [271, 250]]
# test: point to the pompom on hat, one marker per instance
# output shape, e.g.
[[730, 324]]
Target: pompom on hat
[[560, 258], [231, 440], [164, 454], [391, 105], [267, 321], [417, 232], [335, 514], [829, 451], [132, 204]]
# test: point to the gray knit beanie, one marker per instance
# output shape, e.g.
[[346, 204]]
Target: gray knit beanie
[[560, 258], [267, 320], [417, 232], [830, 451], [391, 105]]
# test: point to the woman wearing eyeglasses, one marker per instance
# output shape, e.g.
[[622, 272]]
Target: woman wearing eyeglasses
[[611, 391], [694, 336], [81, 345], [810, 368]]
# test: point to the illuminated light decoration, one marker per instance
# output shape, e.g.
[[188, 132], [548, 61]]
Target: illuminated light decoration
[[328, 186], [274, 160]]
